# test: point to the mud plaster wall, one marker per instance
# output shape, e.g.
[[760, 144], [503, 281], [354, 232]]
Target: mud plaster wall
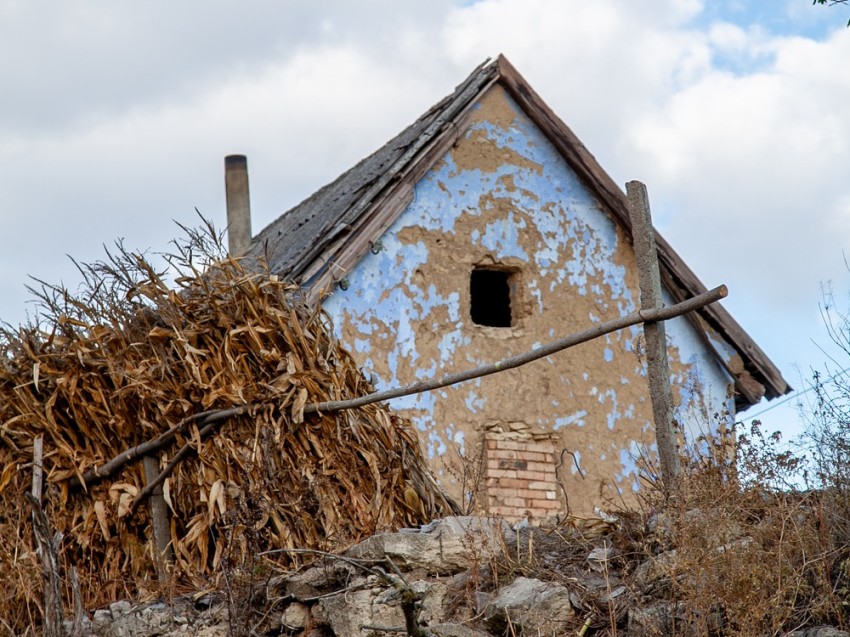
[[503, 195]]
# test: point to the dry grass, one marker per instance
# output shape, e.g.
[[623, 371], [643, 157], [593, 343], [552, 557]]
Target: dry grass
[[127, 358], [741, 550]]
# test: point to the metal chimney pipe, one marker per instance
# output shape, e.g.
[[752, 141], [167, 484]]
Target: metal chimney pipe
[[238, 204]]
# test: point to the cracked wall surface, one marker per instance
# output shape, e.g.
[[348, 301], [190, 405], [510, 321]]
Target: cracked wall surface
[[504, 197]]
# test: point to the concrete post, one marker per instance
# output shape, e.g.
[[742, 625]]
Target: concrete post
[[238, 204]]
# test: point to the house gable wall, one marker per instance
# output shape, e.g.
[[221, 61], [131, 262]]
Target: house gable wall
[[503, 197]]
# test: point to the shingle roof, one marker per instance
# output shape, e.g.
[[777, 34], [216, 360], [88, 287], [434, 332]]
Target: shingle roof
[[320, 239], [298, 237]]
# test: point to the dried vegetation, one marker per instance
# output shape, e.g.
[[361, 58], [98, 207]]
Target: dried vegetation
[[129, 357], [741, 550]]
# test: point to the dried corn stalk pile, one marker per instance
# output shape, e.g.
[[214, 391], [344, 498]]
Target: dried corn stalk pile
[[129, 358]]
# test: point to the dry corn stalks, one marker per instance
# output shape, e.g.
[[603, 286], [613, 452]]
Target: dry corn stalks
[[128, 359]]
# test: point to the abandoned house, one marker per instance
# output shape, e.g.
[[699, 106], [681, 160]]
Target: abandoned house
[[484, 230]]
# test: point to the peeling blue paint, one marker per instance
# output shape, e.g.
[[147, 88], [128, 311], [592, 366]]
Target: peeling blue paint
[[420, 330], [630, 470], [460, 441], [614, 414], [474, 402], [576, 418], [436, 445], [574, 469]]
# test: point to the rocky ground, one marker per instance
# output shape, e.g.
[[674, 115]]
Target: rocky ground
[[459, 577]]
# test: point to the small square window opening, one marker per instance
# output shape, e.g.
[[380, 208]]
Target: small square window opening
[[490, 297]]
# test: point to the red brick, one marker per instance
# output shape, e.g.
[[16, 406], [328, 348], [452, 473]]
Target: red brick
[[515, 502], [540, 447], [551, 505], [507, 483], [505, 463], [510, 444], [513, 464], [530, 495], [532, 456], [491, 444], [507, 512], [501, 473], [504, 453], [546, 485], [534, 476], [541, 466]]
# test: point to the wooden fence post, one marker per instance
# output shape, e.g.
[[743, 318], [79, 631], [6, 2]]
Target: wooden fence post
[[159, 521], [48, 544], [658, 372]]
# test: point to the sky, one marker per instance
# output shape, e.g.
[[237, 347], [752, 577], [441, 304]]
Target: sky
[[116, 116]]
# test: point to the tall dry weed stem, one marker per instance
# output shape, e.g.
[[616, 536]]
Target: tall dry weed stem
[[465, 468]]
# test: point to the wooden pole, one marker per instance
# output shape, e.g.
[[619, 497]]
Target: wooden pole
[[238, 204], [658, 372], [48, 547], [159, 521], [212, 419], [37, 470], [209, 419]]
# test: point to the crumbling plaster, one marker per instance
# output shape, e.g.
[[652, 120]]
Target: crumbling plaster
[[503, 195]]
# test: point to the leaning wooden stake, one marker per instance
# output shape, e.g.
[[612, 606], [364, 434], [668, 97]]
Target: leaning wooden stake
[[658, 371]]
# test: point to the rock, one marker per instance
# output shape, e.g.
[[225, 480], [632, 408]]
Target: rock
[[599, 559], [481, 601], [672, 618], [318, 580], [659, 619], [178, 620], [820, 631], [533, 606], [610, 596], [85, 625], [119, 609], [371, 602], [456, 630], [296, 616], [451, 546], [656, 569], [217, 630], [723, 528], [101, 617]]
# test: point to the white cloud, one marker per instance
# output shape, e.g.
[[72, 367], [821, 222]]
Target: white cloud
[[754, 164]]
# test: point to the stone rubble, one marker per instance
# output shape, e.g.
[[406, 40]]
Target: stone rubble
[[467, 573], [531, 607]]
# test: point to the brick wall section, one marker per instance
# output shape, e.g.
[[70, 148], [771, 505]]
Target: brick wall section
[[521, 479]]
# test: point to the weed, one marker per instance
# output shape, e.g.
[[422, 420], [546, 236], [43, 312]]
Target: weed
[[465, 467]]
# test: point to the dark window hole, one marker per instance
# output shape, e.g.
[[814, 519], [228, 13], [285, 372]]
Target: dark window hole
[[490, 294]]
